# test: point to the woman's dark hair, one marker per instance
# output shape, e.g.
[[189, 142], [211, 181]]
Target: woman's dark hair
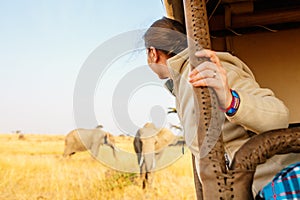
[[166, 35]]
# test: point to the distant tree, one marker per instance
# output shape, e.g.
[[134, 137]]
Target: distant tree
[[177, 127], [172, 110]]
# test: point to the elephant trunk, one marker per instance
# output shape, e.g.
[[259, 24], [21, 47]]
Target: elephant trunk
[[149, 161], [65, 154], [149, 154]]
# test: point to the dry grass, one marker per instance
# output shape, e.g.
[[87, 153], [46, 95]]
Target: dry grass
[[33, 168]]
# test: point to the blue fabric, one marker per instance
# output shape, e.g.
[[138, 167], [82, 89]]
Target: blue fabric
[[284, 186]]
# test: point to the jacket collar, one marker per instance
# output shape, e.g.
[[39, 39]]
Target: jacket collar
[[178, 63]]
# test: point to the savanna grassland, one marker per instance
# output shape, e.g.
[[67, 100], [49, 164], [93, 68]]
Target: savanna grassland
[[33, 169]]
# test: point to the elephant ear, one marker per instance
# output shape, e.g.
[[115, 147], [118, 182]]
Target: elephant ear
[[159, 143], [163, 138]]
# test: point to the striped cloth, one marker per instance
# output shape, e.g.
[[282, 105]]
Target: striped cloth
[[285, 185]]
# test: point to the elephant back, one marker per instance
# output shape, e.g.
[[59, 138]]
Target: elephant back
[[90, 136]]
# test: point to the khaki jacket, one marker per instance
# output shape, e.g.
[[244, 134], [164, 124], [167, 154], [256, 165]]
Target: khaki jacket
[[259, 111]]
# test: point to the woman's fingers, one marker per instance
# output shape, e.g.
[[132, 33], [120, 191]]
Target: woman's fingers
[[202, 75], [211, 74], [202, 68], [209, 54]]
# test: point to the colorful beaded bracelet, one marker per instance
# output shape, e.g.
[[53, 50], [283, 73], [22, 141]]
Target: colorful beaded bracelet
[[234, 105]]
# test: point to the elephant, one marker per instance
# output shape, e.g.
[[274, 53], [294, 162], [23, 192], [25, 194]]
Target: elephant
[[87, 139], [149, 143]]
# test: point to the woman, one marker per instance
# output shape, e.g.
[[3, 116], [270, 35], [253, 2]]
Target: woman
[[248, 109]]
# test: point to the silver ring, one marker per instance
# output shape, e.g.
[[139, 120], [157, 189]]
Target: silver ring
[[215, 74]]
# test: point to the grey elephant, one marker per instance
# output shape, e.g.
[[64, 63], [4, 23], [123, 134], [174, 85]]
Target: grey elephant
[[87, 139], [149, 143]]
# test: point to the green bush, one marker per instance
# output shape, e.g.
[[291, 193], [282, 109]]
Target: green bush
[[118, 180]]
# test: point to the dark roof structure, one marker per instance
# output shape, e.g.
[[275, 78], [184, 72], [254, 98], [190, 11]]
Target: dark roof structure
[[229, 17]]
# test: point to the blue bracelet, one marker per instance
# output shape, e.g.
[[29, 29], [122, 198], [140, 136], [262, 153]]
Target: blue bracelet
[[235, 103]]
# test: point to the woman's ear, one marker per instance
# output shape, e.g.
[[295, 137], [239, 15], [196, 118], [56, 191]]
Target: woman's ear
[[153, 54]]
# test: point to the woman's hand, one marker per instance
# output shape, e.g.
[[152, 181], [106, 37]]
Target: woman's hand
[[212, 74]]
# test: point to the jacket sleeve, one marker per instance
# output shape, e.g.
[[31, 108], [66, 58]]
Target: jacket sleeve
[[259, 109]]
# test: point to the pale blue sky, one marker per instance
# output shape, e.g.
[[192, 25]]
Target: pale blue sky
[[43, 45]]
